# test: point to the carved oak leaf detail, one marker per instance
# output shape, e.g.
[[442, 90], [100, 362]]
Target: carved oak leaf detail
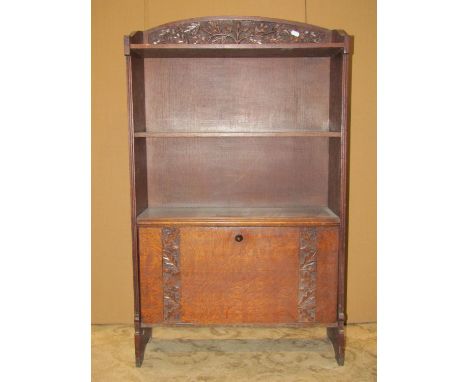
[[234, 32], [307, 274], [171, 273]]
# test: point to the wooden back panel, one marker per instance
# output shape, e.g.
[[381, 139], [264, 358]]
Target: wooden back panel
[[237, 94], [237, 172]]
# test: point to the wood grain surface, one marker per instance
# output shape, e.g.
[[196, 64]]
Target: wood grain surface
[[252, 281], [223, 281], [237, 94], [171, 273], [190, 134], [237, 172], [237, 50], [151, 291], [222, 135], [327, 274], [257, 216], [243, 30], [306, 300]]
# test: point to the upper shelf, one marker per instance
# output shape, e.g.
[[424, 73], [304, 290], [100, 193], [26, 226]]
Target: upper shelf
[[237, 37], [189, 134], [232, 50]]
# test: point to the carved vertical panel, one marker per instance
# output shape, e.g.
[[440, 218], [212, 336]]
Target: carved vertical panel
[[307, 274], [171, 273]]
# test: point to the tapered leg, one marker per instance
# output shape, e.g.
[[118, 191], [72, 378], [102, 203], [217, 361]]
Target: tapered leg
[[337, 338], [142, 337]]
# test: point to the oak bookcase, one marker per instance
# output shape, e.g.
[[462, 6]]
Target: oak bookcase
[[238, 130]]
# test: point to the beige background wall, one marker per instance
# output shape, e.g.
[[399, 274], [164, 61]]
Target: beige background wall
[[112, 297]]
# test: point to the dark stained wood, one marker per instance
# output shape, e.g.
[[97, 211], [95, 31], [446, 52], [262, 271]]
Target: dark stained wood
[[151, 283], [171, 273], [326, 34], [238, 147], [318, 274], [137, 86], [137, 107], [133, 38], [138, 184], [236, 30], [334, 175], [336, 118], [235, 51], [142, 337], [222, 216], [237, 172], [307, 301], [225, 281], [137, 162], [341, 36], [269, 94], [337, 338], [342, 256], [140, 177], [138, 199], [336, 93]]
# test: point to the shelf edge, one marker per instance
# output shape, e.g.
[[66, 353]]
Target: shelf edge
[[267, 222], [288, 46], [331, 134]]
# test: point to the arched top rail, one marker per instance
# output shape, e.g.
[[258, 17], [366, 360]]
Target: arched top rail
[[236, 30]]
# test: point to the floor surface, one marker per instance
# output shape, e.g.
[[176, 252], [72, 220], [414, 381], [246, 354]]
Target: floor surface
[[233, 354]]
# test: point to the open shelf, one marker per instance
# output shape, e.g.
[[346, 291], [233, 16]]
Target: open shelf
[[235, 97], [169, 134], [290, 216], [255, 128]]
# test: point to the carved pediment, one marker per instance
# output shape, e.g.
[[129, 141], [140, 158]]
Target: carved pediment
[[236, 31]]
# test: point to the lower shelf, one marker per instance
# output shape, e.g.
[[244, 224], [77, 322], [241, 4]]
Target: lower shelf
[[291, 216]]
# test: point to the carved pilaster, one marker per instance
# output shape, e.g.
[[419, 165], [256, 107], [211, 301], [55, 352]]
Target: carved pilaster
[[307, 274], [171, 273]]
